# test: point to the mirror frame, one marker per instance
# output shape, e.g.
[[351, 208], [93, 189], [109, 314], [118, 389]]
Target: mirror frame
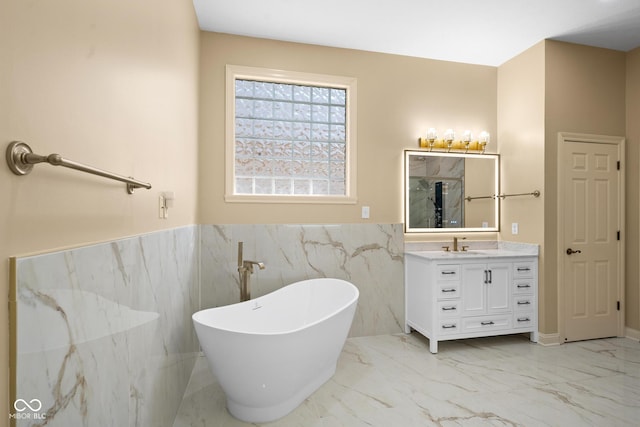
[[496, 200]]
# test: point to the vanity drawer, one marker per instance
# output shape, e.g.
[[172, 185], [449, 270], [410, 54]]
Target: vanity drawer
[[486, 323], [448, 290], [523, 320], [522, 269], [448, 308], [451, 326], [523, 286], [448, 272], [525, 302]]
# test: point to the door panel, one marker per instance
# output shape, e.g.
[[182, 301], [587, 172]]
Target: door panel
[[579, 220], [498, 290], [590, 211], [473, 289], [577, 289], [602, 288]]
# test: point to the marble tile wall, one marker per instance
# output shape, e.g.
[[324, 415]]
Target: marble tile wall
[[368, 255], [104, 331]]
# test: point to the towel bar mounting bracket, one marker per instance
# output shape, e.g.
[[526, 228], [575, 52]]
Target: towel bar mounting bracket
[[15, 158]]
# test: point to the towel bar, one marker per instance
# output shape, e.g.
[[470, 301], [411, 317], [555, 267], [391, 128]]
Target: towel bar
[[21, 159]]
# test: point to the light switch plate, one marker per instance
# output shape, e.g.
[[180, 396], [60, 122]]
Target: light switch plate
[[365, 212]]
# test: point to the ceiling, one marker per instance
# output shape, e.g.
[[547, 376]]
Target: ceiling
[[487, 32]]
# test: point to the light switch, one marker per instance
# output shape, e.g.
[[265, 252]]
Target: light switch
[[165, 201]]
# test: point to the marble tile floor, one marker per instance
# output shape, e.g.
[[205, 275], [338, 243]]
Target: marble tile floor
[[393, 380]]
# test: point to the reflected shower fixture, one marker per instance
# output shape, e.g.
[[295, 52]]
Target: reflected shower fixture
[[448, 142]]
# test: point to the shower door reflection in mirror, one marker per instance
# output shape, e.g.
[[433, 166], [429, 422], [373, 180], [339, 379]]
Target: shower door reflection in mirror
[[451, 192]]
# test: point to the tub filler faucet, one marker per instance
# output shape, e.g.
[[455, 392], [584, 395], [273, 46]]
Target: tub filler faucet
[[245, 269]]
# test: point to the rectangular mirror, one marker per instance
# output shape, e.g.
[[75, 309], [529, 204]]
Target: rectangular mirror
[[451, 192]]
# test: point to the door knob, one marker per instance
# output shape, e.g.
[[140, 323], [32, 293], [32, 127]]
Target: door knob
[[571, 251]]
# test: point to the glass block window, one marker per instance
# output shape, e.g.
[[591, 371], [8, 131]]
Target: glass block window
[[291, 139]]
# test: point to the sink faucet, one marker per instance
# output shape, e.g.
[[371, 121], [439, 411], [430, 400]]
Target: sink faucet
[[245, 269], [455, 243]]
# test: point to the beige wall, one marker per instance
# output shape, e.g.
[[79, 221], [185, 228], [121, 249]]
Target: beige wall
[[521, 83], [584, 93], [398, 99], [111, 84], [632, 298]]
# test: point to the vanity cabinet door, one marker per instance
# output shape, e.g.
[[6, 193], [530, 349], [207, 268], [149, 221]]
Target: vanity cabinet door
[[474, 293], [498, 287], [486, 288]]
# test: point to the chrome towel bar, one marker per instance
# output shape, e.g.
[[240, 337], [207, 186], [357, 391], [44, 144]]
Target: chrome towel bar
[[21, 159]]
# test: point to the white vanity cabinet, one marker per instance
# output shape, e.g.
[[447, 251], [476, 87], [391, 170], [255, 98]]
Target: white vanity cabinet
[[454, 296]]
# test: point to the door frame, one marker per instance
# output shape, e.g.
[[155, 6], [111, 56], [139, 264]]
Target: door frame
[[619, 141]]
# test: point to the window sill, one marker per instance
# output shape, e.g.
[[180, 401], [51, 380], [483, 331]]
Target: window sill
[[268, 198]]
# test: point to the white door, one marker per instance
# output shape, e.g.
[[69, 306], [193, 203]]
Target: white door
[[590, 203]]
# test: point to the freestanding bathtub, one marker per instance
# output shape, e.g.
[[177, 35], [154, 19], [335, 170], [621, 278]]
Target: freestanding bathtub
[[270, 353]]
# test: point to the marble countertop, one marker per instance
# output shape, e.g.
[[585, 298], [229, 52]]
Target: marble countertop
[[469, 254], [477, 250]]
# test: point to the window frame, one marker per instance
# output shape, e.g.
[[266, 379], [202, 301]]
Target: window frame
[[237, 72]]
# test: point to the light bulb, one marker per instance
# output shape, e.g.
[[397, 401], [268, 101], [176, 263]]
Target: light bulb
[[449, 135], [485, 137], [468, 136]]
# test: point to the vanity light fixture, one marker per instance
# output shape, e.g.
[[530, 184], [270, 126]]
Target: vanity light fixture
[[448, 142]]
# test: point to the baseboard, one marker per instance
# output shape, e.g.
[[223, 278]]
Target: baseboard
[[549, 339], [633, 334], [554, 339]]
